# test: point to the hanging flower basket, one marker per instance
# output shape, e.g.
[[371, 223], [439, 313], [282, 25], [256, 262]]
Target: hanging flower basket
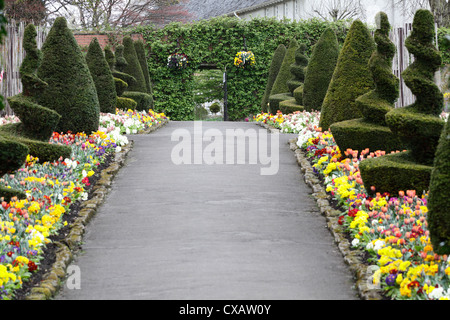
[[244, 58], [177, 61]]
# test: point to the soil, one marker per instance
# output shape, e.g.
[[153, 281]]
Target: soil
[[49, 254]]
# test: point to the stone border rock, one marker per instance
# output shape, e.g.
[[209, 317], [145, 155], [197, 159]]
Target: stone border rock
[[352, 257], [51, 281]]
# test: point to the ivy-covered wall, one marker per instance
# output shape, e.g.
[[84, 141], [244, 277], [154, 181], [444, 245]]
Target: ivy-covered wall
[[216, 42]]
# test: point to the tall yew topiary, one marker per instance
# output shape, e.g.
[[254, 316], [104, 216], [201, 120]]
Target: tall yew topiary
[[140, 52], [418, 125], [102, 76], [280, 90], [351, 77], [371, 131], [320, 70], [275, 65], [295, 84], [133, 66], [71, 91], [438, 216]]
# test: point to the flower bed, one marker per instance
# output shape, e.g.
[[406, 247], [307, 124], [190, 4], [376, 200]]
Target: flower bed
[[391, 229], [27, 225]]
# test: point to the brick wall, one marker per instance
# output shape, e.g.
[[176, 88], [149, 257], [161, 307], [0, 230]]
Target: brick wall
[[84, 39]]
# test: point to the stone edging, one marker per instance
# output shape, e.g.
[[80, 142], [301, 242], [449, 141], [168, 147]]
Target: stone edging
[[353, 258], [51, 281]]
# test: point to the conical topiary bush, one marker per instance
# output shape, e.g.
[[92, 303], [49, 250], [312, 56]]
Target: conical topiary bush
[[418, 125], [351, 77], [371, 131], [295, 84], [140, 52], [277, 60], [102, 76], [438, 216], [133, 66], [320, 70], [37, 123], [71, 91], [280, 90]]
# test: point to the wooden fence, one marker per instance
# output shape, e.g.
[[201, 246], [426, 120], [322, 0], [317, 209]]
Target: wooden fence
[[11, 57]]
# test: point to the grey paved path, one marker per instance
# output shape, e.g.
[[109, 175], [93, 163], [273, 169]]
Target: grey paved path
[[170, 231]]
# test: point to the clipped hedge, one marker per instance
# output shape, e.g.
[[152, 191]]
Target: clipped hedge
[[351, 77], [126, 103], [320, 70], [297, 70], [277, 60], [144, 101]]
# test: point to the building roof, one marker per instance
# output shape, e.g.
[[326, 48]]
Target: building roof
[[205, 9]]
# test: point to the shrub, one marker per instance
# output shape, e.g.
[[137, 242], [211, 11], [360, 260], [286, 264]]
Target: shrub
[[120, 85], [320, 70], [102, 76], [71, 91], [126, 103], [371, 131], [37, 122], [438, 204], [418, 125], [109, 57], [280, 87], [215, 107], [144, 100], [140, 52], [351, 77], [12, 157], [298, 69], [133, 66], [277, 60]]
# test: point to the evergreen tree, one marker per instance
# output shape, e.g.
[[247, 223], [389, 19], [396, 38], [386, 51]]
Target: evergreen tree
[[102, 76], [71, 91], [351, 77], [320, 70], [277, 60], [133, 66]]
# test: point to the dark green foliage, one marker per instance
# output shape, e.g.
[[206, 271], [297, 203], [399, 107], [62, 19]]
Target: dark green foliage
[[298, 69], [144, 100], [351, 77], [110, 58], [298, 95], [277, 60], [418, 126], [121, 86], [275, 99], [320, 70], [102, 76], [214, 108], [36, 122], [438, 217], [133, 66], [371, 131], [126, 103], [128, 79], [120, 61], [140, 52], [284, 75], [290, 106], [71, 91], [399, 173]]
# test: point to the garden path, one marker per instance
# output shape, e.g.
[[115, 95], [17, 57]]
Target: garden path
[[202, 231]]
